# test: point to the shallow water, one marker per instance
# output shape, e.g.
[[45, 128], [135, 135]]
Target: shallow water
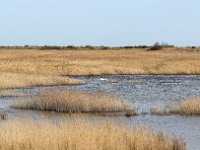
[[146, 92], [155, 91]]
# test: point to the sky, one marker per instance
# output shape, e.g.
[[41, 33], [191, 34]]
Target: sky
[[99, 22]]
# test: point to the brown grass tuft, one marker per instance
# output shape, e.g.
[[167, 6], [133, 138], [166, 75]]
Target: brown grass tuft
[[10, 93], [81, 135], [75, 102], [187, 108], [13, 80]]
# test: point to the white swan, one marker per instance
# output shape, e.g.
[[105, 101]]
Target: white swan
[[102, 79]]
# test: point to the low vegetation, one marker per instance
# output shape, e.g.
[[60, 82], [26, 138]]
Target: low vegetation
[[72, 47], [13, 80], [6, 93], [75, 102], [30, 66], [81, 135], [99, 62], [156, 46], [189, 107]]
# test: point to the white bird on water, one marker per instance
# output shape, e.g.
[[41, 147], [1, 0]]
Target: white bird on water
[[102, 79]]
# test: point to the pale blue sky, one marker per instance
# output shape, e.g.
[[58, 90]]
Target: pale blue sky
[[99, 22]]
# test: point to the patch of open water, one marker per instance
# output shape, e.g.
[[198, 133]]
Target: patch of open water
[[151, 91], [146, 92]]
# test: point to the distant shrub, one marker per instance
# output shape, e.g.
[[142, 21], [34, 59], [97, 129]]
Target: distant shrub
[[46, 47], [71, 47], [90, 47], [128, 47], [2, 47], [166, 45], [141, 46], [26, 46], [105, 47], [156, 47], [193, 47]]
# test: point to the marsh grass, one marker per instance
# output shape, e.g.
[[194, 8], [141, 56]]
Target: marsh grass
[[99, 62], [6, 93], [189, 107], [13, 80], [76, 102], [82, 135]]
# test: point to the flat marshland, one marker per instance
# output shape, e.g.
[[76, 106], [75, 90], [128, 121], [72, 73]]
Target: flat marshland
[[24, 68], [75, 102], [35, 67], [79, 135]]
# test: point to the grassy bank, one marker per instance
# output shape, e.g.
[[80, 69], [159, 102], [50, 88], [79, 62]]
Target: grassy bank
[[189, 107], [81, 135], [75, 102], [33, 67], [98, 62], [13, 80], [8, 93]]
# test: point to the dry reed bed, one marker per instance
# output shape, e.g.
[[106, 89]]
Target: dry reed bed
[[13, 80], [23, 68], [98, 62], [81, 135], [75, 102], [6, 93], [189, 107]]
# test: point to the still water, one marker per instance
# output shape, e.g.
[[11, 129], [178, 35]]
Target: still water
[[146, 92], [154, 91]]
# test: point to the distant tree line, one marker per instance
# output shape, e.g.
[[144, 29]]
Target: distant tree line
[[156, 46]]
